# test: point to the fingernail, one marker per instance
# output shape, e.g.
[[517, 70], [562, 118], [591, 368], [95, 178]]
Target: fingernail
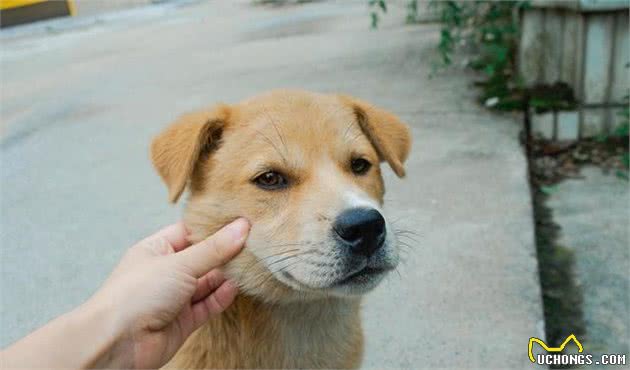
[[238, 229]]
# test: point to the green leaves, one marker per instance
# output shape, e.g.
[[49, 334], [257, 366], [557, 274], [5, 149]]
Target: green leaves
[[548, 190], [374, 17], [446, 46], [412, 11], [490, 29], [624, 123], [381, 5]]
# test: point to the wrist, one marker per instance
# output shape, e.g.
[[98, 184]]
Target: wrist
[[109, 340], [84, 337]]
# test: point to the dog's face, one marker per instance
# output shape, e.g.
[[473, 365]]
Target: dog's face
[[304, 169]]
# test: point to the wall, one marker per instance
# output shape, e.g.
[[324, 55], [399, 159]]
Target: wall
[[585, 44]]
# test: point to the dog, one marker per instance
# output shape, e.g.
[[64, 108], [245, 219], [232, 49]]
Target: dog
[[304, 169]]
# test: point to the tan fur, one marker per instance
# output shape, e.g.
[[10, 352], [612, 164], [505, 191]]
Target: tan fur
[[176, 150], [389, 136], [311, 138], [255, 335]]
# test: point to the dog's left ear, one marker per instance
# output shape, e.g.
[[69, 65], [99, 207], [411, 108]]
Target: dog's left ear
[[389, 136], [176, 150]]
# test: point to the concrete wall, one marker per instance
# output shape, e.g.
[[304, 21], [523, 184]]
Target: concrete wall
[[585, 44]]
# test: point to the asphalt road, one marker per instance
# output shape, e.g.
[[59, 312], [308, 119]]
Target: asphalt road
[[81, 101]]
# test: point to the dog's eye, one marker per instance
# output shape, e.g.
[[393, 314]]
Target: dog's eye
[[271, 180], [360, 166]]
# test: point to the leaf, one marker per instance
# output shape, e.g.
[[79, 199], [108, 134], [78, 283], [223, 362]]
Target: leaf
[[374, 17], [548, 190], [623, 129], [498, 51], [489, 69], [622, 175], [601, 138], [382, 5]]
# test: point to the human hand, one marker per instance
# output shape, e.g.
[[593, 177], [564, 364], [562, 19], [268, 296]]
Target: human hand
[[163, 289]]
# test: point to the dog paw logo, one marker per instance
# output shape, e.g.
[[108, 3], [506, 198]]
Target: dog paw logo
[[570, 338]]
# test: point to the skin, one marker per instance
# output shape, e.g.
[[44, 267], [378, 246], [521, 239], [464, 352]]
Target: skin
[[168, 289]]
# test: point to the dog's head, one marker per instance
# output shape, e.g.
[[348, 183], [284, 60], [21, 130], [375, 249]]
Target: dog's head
[[304, 169]]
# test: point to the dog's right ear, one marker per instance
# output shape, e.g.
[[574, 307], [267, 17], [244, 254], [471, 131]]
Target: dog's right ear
[[176, 150]]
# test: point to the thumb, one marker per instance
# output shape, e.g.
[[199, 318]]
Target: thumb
[[216, 250]]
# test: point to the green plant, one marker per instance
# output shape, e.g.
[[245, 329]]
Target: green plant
[[489, 29], [380, 6], [623, 131], [619, 136], [412, 11], [376, 7], [623, 127]]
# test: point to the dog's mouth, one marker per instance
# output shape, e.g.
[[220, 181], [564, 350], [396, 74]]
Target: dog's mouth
[[336, 273], [362, 276]]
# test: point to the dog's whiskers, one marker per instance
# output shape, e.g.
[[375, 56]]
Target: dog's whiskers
[[277, 129], [262, 261], [345, 133], [411, 238], [271, 273], [275, 147]]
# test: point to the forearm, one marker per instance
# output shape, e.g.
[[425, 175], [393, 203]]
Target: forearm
[[144, 311], [85, 337]]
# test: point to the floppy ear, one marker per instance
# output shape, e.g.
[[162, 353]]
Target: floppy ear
[[389, 136], [176, 150]]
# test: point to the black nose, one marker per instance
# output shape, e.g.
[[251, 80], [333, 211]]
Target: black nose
[[361, 229]]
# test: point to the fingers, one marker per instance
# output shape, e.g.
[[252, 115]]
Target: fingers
[[222, 298], [175, 234], [208, 284], [214, 304], [216, 250]]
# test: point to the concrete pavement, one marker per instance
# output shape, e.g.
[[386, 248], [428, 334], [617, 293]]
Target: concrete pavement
[[593, 215], [80, 106]]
